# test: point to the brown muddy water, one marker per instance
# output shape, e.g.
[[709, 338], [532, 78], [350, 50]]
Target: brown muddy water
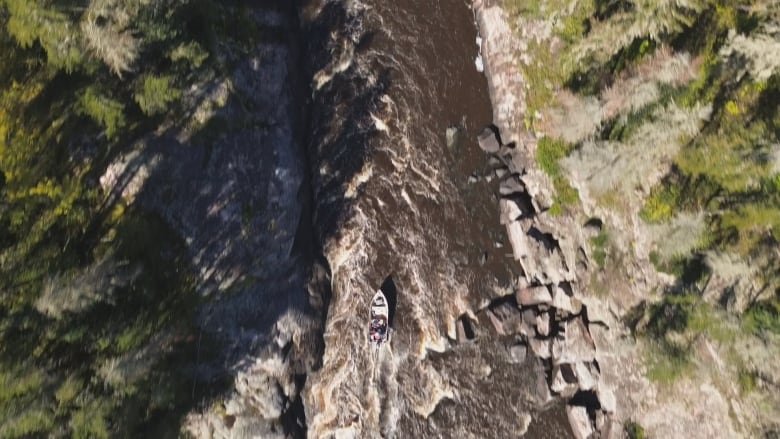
[[394, 205]]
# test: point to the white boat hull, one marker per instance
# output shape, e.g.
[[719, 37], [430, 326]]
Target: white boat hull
[[379, 320]]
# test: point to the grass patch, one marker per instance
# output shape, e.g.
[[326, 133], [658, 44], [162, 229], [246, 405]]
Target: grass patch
[[565, 196], [762, 317], [661, 205], [599, 243], [544, 75], [666, 363], [671, 326], [747, 380], [634, 430], [548, 153]]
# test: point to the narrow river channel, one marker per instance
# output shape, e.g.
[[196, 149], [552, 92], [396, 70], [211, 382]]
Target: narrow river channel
[[397, 204]]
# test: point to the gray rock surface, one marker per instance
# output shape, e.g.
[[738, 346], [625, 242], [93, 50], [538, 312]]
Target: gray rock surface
[[574, 345], [511, 185], [534, 296], [543, 324], [220, 192], [510, 211], [488, 141], [564, 381], [580, 422]]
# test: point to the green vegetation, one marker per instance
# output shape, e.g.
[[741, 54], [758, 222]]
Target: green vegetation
[[672, 326], [747, 381], [634, 431], [660, 205], [636, 61], [763, 317], [156, 94], [599, 243], [97, 302], [548, 153]]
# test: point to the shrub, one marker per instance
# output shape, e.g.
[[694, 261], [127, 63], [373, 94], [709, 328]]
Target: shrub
[[190, 52], [599, 243], [747, 380], [634, 430], [155, 94], [68, 391], [89, 422], [661, 204], [549, 152], [30, 423], [545, 75], [565, 195], [107, 112], [763, 317], [667, 362]]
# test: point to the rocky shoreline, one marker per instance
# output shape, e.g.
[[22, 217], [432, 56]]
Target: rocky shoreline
[[550, 310], [575, 316]]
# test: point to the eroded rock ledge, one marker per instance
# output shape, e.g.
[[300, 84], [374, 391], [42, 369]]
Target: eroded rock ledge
[[550, 311]]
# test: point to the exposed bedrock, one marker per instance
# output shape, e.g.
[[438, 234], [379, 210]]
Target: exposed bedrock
[[238, 198], [549, 312]]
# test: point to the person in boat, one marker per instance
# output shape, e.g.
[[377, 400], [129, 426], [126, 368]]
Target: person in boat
[[378, 328]]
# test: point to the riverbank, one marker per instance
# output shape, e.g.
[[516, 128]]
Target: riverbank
[[586, 279], [561, 321]]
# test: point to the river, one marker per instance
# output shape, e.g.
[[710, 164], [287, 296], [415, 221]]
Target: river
[[396, 206]]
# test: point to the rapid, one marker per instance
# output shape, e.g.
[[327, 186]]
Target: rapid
[[403, 198]]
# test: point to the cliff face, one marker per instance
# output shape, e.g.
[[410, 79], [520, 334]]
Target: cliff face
[[601, 250], [565, 325], [237, 194]]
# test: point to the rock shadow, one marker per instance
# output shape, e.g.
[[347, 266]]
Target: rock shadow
[[390, 291]]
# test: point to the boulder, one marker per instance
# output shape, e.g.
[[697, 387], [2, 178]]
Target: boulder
[[585, 378], [539, 185], [497, 325], [529, 316], [543, 324], [460, 324], [529, 321], [563, 381], [542, 388], [601, 420], [518, 239], [612, 429], [488, 141], [540, 348], [561, 301], [495, 162], [597, 310], [517, 353], [576, 305], [517, 164], [606, 398], [506, 317], [524, 249], [534, 296], [579, 421], [511, 186], [510, 211], [574, 344], [452, 135]]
